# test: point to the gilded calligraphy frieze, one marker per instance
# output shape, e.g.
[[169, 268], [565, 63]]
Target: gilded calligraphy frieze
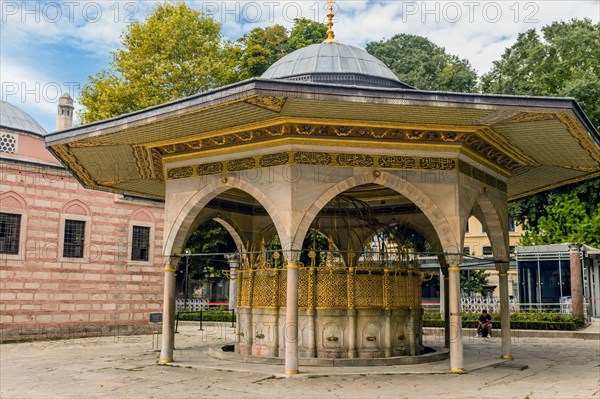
[[315, 158]]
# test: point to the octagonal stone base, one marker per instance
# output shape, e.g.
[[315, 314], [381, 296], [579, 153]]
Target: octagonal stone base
[[332, 333]]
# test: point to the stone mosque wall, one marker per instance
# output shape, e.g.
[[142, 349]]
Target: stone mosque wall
[[45, 294]]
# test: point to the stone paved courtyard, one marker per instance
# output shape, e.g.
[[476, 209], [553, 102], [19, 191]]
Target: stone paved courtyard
[[125, 367]]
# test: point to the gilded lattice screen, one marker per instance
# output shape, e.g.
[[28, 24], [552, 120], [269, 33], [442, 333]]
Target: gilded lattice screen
[[368, 283]]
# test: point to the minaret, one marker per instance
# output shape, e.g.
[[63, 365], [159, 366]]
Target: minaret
[[64, 118]]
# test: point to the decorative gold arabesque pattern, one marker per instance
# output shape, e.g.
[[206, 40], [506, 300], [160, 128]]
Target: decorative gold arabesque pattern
[[491, 153], [272, 103], [331, 284], [180, 173], [530, 117], [294, 129], [504, 158], [72, 163], [500, 141], [336, 159], [143, 161]]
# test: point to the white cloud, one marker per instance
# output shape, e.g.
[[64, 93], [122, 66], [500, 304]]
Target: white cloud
[[35, 37], [30, 89]]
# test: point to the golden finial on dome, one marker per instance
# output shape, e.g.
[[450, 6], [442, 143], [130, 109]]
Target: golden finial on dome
[[330, 36]]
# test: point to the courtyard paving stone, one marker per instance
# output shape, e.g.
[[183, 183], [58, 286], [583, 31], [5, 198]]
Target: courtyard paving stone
[[126, 367]]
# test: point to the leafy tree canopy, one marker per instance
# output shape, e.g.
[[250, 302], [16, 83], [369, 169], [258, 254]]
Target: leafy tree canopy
[[473, 281], [177, 52], [262, 47], [209, 237], [174, 53], [568, 220], [422, 64], [563, 61]]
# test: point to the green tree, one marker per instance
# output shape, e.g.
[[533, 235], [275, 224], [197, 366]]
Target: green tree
[[304, 33], [563, 61], [422, 64], [174, 53], [529, 211], [209, 237], [567, 220], [262, 47], [473, 281]]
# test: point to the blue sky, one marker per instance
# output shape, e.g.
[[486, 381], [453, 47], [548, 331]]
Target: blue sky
[[49, 47]]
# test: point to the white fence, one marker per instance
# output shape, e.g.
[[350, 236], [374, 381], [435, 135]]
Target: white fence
[[191, 304], [468, 304], [492, 305]]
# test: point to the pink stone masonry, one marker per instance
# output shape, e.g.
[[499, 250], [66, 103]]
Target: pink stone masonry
[[42, 293]]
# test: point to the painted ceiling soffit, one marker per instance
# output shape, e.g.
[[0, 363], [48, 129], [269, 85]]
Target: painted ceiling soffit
[[578, 179], [581, 135]]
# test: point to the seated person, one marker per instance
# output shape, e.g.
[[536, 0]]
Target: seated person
[[485, 324]]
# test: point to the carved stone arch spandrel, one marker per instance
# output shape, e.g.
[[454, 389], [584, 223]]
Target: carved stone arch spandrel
[[177, 229], [436, 217]]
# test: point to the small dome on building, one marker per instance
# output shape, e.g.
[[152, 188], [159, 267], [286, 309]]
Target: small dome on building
[[334, 63], [14, 118]]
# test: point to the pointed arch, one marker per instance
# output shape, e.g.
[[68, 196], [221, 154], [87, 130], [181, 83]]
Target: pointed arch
[[75, 207], [495, 222], [433, 213], [12, 200], [142, 215], [177, 232]]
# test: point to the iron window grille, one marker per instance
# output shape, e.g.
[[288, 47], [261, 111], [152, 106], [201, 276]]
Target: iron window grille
[[74, 239], [10, 228], [140, 243]]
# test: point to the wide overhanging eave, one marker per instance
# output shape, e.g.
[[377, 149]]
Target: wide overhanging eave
[[257, 86], [227, 97]]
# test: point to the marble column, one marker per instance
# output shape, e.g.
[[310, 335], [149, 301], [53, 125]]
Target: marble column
[[502, 269], [444, 285], [576, 280], [291, 318], [234, 265], [168, 324], [456, 341]]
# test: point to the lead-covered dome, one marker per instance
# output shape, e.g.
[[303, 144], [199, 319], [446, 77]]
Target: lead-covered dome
[[14, 118], [334, 63]]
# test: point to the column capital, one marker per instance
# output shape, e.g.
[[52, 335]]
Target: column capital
[[172, 263], [453, 260], [574, 247], [502, 267], [233, 259], [292, 257]]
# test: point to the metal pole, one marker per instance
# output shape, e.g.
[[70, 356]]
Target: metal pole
[[187, 285], [200, 329], [233, 318]]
